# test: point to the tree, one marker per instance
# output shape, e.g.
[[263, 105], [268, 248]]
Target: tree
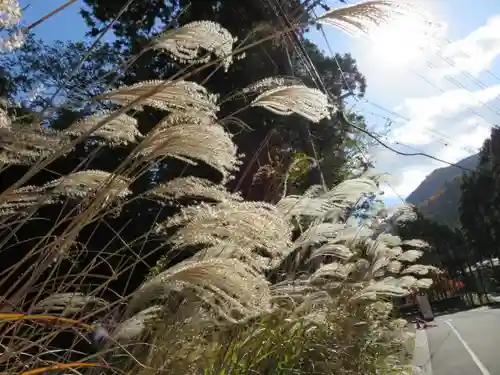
[[479, 214], [274, 142], [41, 69]]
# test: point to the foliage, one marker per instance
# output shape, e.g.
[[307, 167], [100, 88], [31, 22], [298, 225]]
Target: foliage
[[38, 70], [479, 217], [238, 285]]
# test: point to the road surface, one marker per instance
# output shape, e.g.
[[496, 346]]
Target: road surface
[[464, 343]]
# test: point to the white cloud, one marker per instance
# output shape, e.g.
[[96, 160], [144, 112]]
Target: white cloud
[[450, 103], [442, 126], [474, 133], [476, 52], [404, 183], [431, 113], [463, 138], [450, 125]]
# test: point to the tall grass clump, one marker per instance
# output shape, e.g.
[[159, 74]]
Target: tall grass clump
[[298, 286]]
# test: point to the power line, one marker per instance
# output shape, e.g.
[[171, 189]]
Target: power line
[[341, 117], [450, 79], [366, 132]]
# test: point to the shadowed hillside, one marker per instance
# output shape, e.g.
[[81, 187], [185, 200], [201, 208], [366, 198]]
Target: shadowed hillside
[[438, 195]]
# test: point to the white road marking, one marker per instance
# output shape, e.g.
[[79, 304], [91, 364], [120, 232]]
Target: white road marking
[[421, 354], [473, 355]]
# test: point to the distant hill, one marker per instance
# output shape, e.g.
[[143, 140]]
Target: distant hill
[[439, 194]]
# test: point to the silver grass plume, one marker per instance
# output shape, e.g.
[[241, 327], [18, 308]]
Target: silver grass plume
[[251, 258], [418, 244], [24, 146], [349, 192], [271, 83], [389, 239], [332, 204], [74, 186], [232, 289], [394, 266], [192, 187], [334, 250], [309, 103], [166, 95], [380, 251], [10, 13], [402, 213], [333, 271], [84, 183], [387, 287], [364, 16], [191, 137], [245, 224], [65, 304], [122, 130], [138, 326], [419, 269], [410, 256], [20, 201], [13, 41], [5, 120], [188, 42]]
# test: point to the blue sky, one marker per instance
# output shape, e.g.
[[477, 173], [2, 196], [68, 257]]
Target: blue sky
[[443, 100], [66, 25]]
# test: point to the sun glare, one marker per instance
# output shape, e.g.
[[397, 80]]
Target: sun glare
[[404, 41]]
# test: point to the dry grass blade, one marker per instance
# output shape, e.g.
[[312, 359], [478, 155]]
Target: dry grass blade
[[226, 284], [17, 317], [166, 95], [122, 130], [63, 366], [304, 101], [192, 187], [364, 16], [188, 42], [189, 138]]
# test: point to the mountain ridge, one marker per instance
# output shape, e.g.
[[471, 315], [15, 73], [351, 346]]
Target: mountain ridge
[[438, 195]]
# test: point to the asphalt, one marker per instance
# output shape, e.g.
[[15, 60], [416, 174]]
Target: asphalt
[[463, 343]]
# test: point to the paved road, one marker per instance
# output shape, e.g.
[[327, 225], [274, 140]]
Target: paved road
[[464, 343]]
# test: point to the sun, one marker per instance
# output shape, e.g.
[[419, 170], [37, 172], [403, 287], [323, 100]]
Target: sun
[[404, 41]]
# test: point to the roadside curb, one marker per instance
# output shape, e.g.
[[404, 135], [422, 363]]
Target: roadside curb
[[421, 361]]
